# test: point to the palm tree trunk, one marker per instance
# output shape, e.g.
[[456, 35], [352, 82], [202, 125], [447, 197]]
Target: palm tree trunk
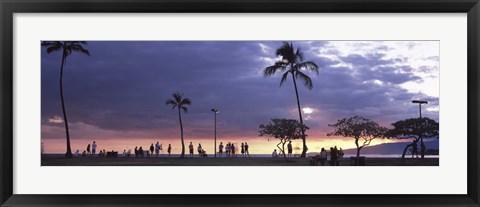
[[69, 150], [304, 151], [181, 134]]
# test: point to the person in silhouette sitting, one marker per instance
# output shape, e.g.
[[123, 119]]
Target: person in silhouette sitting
[[274, 153]]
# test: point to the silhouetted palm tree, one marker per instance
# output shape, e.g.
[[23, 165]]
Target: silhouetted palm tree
[[292, 63], [67, 48], [179, 102]]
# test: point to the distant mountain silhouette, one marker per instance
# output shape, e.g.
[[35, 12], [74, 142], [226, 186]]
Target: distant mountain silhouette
[[392, 148]]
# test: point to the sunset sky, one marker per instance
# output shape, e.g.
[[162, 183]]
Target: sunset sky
[[117, 95]]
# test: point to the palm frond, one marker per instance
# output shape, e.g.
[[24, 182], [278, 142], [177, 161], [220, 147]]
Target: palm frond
[[177, 96], [80, 49], [186, 101], [308, 65], [287, 52], [170, 102], [185, 109], [307, 80], [271, 70], [284, 77], [298, 55]]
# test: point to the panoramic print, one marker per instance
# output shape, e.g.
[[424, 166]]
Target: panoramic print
[[240, 103]]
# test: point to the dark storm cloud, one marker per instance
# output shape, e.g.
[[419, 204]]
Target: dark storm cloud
[[123, 86]]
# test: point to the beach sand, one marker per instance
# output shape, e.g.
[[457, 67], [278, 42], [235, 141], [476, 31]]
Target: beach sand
[[237, 161]]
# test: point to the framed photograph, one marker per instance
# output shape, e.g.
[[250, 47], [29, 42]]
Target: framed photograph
[[239, 103]]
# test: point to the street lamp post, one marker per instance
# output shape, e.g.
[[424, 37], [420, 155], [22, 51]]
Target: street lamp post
[[215, 112], [420, 105]]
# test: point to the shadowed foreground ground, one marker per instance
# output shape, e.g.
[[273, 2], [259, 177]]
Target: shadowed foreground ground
[[257, 161]]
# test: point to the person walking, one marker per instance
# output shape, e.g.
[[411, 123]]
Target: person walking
[[190, 147], [246, 149], [290, 149]]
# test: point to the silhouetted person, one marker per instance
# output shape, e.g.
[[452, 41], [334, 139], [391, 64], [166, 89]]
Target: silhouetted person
[[140, 152], [290, 148], [84, 153], [161, 148], [232, 148], [220, 149], [124, 153], [323, 156], [169, 149], [200, 150], [337, 153], [242, 149], [274, 153], [94, 147], [88, 148], [157, 149], [136, 152], [77, 153], [333, 156], [190, 148], [246, 149], [340, 153], [152, 149], [227, 149], [414, 148]]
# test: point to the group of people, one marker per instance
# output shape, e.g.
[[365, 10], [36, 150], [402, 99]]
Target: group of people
[[230, 150], [157, 148], [335, 155]]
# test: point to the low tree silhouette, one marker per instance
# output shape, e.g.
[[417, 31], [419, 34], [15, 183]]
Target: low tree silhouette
[[179, 102], [358, 128], [417, 128], [284, 130]]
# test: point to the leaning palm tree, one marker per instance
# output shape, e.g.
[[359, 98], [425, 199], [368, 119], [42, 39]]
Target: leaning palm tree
[[292, 63], [67, 48], [179, 102]]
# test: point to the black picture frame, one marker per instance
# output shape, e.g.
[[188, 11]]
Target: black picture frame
[[10, 7]]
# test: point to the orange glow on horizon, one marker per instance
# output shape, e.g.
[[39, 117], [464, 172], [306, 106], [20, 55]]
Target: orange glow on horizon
[[257, 145]]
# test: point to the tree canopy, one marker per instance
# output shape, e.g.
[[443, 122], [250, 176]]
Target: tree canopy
[[284, 130]]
